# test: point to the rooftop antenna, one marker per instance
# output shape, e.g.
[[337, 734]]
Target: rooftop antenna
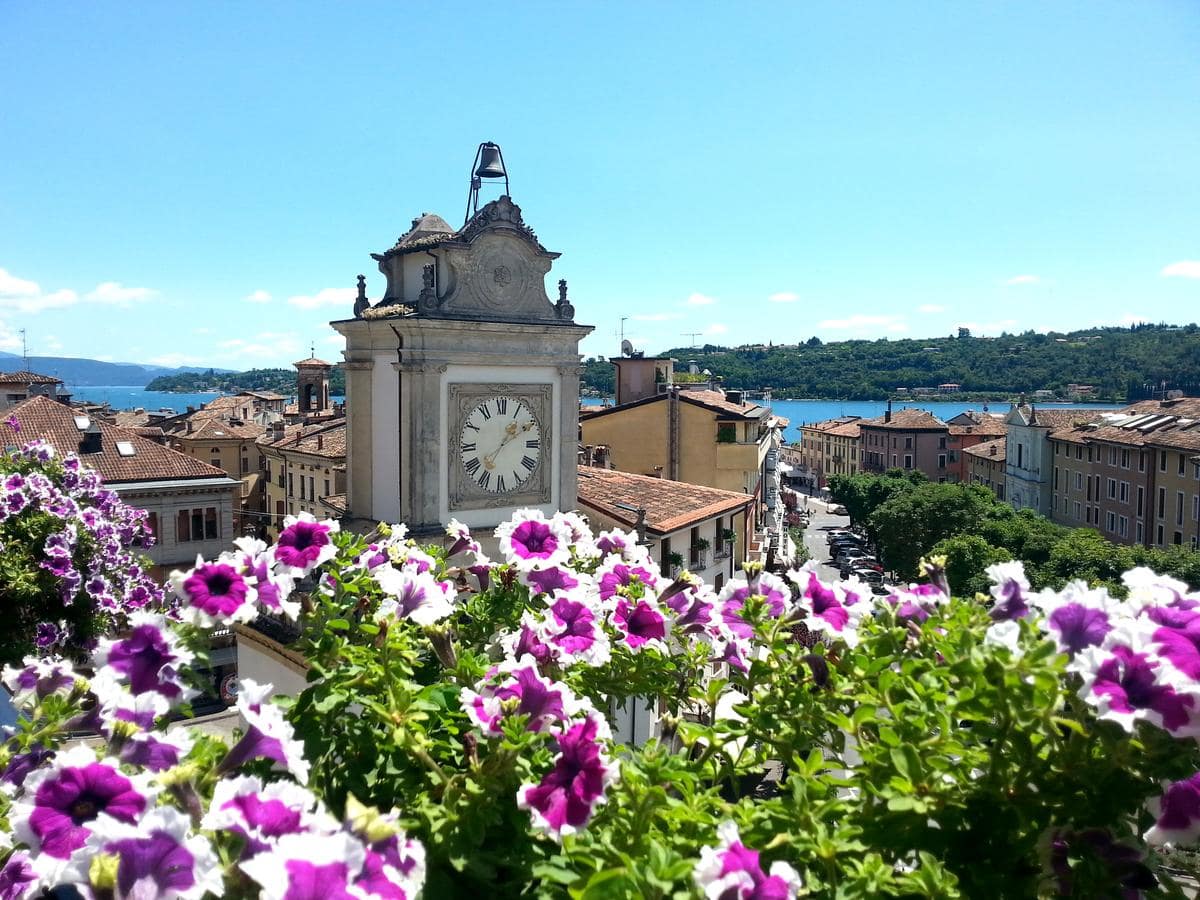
[[693, 335], [24, 352], [621, 330], [626, 348], [489, 163]]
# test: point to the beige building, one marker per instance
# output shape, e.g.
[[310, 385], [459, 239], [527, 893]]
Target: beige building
[[984, 464], [705, 437], [304, 470], [18, 386], [191, 503], [1133, 474], [830, 448], [229, 443], [685, 526]]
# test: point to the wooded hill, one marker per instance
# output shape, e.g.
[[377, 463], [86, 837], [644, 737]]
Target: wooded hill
[[280, 381], [1123, 364]]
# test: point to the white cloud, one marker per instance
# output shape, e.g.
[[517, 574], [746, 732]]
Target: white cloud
[[929, 308], [265, 346], [701, 300], [258, 297], [862, 322], [27, 296], [784, 297], [336, 339], [716, 328], [115, 294], [51, 343], [1023, 279], [1185, 268], [175, 360], [325, 297], [657, 317], [9, 339]]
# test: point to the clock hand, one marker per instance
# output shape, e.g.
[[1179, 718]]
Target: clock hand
[[510, 432]]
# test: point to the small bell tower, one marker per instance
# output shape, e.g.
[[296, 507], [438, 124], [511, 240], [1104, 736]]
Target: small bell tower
[[312, 385]]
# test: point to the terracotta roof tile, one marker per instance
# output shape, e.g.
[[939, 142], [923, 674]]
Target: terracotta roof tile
[[1148, 423], [313, 361], [214, 428], [909, 420], [24, 376], [718, 401], [669, 505], [992, 450], [41, 417], [987, 425], [331, 436]]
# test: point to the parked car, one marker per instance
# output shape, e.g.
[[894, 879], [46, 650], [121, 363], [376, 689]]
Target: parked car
[[868, 574], [852, 561], [846, 542], [836, 533], [839, 511]]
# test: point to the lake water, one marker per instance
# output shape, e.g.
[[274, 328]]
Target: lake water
[[802, 412], [131, 397]]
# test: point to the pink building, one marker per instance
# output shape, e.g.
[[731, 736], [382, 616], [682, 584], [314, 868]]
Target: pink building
[[906, 439]]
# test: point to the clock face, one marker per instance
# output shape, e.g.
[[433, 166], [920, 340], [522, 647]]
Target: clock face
[[500, 444]]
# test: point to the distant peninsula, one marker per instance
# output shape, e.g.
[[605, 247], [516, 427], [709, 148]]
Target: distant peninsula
[[1116, 364], [279, 381]]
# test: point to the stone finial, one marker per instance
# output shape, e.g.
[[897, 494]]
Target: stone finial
[[427, 299], [360, 302], [563, 307]]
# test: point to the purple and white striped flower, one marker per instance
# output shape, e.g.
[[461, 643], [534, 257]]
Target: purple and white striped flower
[[263, 814], [1176, 813], [1147, 588], [256, 561], [693, 606], [18, 879], [572, 630], [39, 679], [416, 596], [461, 540], [214, 594], [567, 796], [545, 702], [578, 533], [616, 576], [308, 867], [1077, 617], [159, 857], [149, 657], [731, 871], [528, 539], [821, 607], [1126, 683], [917, 602], [268, 734], [553, 581], [640, 625], [1010, 589], [304, 544], [61, 802], [156, 751]]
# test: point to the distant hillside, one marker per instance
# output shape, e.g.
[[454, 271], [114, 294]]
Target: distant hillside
[[281, 381], [88, 372], [1123, 363]]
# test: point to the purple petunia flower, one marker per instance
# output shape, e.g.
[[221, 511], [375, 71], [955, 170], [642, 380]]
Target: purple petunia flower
[[545, 702], [148, 658], [268, 734], [693, 606], [1009, 589], [1176, 813], [256, 562], [822, 607], [61, 802], [731, 871], [1075, 626], [554, 581], [620, 577], [39, 679], [528, 539], [1126, 685], [571, 629], [413, 595], [568, 795], [17, 877], [214, 594], [640, 624], [159, 857], [262, 815], [305, 543], [308, 867]]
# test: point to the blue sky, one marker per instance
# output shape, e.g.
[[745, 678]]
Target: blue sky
[[201, 183]]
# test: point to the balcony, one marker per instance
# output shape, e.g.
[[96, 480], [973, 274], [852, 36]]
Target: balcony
[[743, 457]]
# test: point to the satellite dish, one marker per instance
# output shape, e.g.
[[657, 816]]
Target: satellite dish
[[627, 347]]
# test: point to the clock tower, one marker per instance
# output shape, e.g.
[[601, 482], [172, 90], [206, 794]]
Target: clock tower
[[462, 383]]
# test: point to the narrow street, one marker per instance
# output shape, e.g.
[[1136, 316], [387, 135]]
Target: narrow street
[[814, 537]]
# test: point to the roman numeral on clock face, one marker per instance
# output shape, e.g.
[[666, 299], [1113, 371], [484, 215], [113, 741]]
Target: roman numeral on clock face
[[500, 483], [533, 444], [485, 478], [502, 405], [528, 463], [472, 466], [484, 411], [468, 448]]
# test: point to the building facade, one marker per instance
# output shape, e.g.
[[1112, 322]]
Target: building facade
[[831, 448], [304, 466], [969, 429], [906, 439], [21, 385], [1030, 467], [985, 465]]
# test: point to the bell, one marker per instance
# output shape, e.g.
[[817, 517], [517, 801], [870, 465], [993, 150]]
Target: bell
[[491, 165]]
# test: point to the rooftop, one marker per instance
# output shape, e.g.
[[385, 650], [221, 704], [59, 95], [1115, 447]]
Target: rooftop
[[1159, 423], [908, 420], [124, 456], [669, 505], [991, 450], [24, 376], [324, 439]]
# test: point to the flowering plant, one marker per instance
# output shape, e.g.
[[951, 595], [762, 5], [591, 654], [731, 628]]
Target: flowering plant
[[564, 719], [69, 563]]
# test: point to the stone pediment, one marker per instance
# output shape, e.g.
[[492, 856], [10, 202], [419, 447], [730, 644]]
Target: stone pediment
[[497, 276]]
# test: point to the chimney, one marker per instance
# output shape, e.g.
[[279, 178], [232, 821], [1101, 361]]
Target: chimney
[[887, 416], [320, 442], [992, 450], [735, 397], [190, 426], [91, 442], [276, 431]]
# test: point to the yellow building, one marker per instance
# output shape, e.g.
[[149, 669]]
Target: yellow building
[[985, 465], [222, 438], [304, 471], [830, 448], [706, 437]]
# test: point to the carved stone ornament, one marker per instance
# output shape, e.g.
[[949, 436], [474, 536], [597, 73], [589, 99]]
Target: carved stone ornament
[[499, 212], [531, 409], [498, 277]]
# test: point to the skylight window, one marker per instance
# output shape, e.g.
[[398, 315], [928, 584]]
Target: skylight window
[[125, 448], [82, 423]]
